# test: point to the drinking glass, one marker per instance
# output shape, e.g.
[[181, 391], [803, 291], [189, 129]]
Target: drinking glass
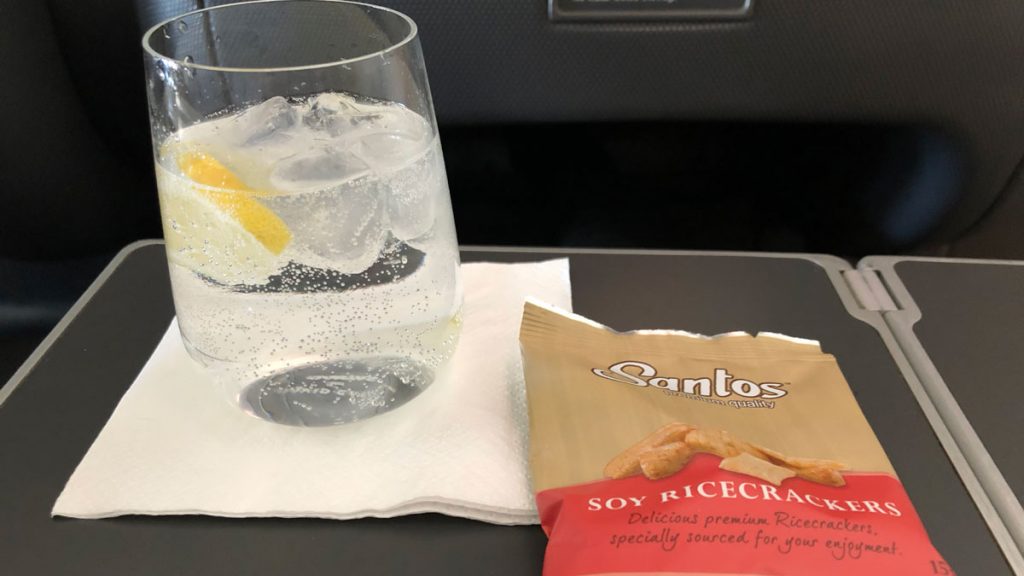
[[309, 231]]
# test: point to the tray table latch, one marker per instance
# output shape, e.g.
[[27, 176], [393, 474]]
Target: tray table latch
[[869, 290]]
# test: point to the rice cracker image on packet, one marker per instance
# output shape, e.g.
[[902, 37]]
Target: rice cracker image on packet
[[662, 452]]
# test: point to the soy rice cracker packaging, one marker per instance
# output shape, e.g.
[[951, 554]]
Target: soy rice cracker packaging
[[660, 452]]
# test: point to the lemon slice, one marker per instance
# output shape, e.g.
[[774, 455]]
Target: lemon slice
[[231, 196], [215, 227], [204, 169]]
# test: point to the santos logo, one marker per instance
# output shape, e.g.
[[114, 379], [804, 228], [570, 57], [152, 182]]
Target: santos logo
[[722, 384]]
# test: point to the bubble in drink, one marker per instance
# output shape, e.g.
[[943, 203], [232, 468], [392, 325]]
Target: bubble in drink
[[313, 255]]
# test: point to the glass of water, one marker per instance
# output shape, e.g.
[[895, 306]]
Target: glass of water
[[309, 229]]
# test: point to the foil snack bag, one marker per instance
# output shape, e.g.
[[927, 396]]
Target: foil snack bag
[[659, 452]]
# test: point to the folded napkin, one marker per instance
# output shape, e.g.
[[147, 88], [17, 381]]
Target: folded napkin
[[174, 445]]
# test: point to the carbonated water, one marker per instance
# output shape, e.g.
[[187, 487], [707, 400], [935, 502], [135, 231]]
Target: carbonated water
[[313, 255]]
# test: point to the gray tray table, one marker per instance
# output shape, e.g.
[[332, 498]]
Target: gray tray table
[[56, 404], [961, 325]]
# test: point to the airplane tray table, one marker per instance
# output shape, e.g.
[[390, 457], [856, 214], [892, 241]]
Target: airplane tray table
[[57, 403], [965, 321]]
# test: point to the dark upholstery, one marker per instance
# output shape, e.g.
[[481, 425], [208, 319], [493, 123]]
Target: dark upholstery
[[847, 127], [943, 77]]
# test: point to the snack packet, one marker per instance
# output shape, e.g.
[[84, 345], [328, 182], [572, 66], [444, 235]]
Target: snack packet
[[671, 453]]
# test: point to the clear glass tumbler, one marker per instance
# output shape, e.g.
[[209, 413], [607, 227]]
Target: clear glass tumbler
[[309, 229]]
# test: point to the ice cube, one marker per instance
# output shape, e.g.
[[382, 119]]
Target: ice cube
[[328, 111], [384, 150], [413, 194], [341, 116], [318, 168], [342, 226], [266, 122]]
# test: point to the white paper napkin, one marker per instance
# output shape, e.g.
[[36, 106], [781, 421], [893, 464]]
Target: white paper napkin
[[174, 445]]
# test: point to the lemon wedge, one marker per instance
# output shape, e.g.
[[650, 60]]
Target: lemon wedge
[[231, 197], [204, 169], [214, 226]]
